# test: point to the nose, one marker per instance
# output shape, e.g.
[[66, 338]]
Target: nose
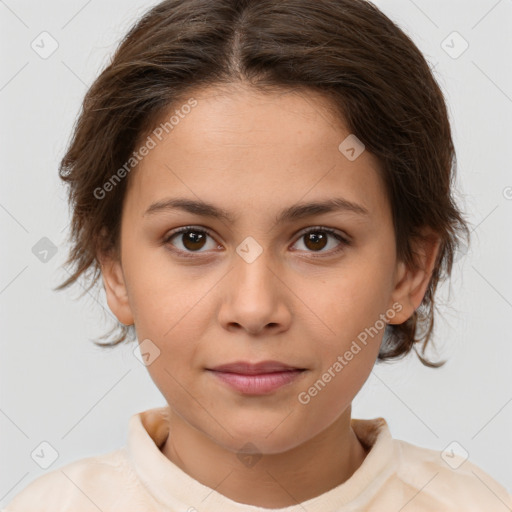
[[255, 298]]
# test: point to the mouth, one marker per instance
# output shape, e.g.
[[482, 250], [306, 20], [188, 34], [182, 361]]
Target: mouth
[[256, 378]]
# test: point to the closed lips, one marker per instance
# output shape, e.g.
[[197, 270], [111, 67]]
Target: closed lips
[[264, 367], [260, 379]]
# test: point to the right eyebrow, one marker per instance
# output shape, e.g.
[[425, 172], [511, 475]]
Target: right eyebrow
[[191, 206]]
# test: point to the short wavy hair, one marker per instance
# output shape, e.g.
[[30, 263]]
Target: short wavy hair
[[375, 77]]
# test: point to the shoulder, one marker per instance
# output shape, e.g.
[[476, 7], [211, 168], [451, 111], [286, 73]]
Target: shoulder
[[89, 484], [447, 479]]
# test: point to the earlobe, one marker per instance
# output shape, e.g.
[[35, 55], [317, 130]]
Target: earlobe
[[412, 283], [116, 290]]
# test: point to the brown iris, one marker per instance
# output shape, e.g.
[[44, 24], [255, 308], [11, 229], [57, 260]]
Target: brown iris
[[317, 241], [193, 240]]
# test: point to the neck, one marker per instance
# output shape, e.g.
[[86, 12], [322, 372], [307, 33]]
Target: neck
[[275, 480]]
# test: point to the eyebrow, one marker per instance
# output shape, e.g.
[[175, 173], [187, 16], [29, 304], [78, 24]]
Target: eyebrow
[[295, 212]]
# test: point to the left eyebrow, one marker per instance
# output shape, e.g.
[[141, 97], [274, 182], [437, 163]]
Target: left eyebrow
[[302, 210], [295, 212]]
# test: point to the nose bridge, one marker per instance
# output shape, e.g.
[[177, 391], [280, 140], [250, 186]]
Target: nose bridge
[[253, 263]]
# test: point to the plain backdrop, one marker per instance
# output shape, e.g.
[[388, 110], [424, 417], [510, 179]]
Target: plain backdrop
[[58, 387]]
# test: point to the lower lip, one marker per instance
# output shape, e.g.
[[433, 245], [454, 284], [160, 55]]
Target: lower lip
[[258, 384]]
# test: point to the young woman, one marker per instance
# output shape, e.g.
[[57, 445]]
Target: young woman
[[264, 188]]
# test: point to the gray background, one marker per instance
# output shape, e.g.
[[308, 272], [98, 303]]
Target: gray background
[[56, 386]]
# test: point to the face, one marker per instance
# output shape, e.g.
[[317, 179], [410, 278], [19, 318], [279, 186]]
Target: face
[[271, 280]]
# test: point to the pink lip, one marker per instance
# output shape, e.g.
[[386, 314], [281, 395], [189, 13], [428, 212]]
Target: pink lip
[[256, 379]]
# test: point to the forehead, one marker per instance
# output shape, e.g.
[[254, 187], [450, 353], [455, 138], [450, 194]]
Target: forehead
[[242, 115], [242, 146]]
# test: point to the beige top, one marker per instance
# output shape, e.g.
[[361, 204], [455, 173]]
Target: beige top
[[395, 476]]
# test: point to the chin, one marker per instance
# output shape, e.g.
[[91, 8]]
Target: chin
[[258, 440]]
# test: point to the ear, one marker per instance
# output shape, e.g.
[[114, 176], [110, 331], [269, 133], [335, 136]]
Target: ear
[[411, 283], [115, 288]]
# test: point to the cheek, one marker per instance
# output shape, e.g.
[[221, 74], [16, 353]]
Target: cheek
[[350, 310], [351, 299], [162, 297]]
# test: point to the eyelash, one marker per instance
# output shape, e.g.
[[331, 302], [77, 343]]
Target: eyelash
[[315, 229]]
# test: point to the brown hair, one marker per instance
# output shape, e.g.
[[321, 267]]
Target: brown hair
[[378, 82]]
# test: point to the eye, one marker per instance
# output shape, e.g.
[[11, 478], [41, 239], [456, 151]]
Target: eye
[[317, 238], [192, 239]]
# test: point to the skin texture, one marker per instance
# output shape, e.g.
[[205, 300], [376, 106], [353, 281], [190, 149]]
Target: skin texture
[[298, 302]]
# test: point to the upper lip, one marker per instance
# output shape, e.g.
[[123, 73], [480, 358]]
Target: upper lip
[[247, 368]]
